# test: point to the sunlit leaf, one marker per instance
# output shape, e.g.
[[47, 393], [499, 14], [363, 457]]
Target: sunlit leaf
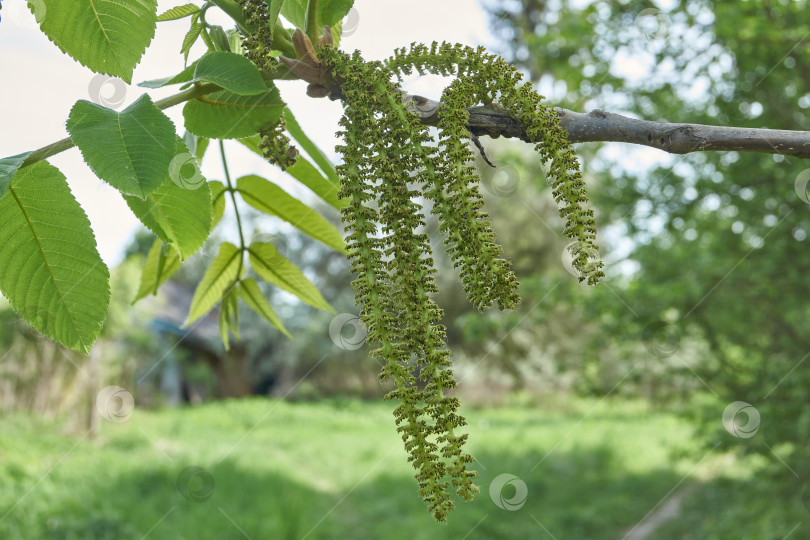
[[196, 145], [264, 195], [225, 115], [161, 262], [130, 150], [184, 76], [252, 297], [231, 71], [273, 11], [180, 210], [191, 37], [233, 9], [320, 159], [218, 198], [218, 279], [272, 267], [107, 36], [178, 12], [50, 269], [329, 11], [229, 317], [8, 168], [305, 172]]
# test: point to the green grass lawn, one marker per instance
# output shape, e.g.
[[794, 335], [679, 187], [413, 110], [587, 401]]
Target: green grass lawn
[[336, 469]]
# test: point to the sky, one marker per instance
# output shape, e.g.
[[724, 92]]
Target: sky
[[40, 84]]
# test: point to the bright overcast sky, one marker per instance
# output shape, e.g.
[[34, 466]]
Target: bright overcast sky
[[40, 85]]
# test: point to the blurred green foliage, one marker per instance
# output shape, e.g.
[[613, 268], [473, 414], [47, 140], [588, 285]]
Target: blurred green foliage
[[710, 250], [717, 240]]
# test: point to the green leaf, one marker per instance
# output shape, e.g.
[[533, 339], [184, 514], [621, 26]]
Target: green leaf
[[130, 150], [196, 145], [219, 38], [225, 115], [50, 270], [273, 10], [320, 159], [223, 327], [190, 38], [272, 267], [295, 11], [207, 39], [202, 146], [267, 197], [218, 279], [282, 43], [179, 12], [229, 316], [235, 41], [8, 168], [107, 36], [305, 172], [233, 9], [161, 262], [218, 198], [330, 12], [180, 210], [254, 299], [232, 302], [184, 76], [252, 144], [231, 71]]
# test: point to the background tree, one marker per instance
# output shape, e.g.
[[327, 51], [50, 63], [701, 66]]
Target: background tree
[[717, 242]]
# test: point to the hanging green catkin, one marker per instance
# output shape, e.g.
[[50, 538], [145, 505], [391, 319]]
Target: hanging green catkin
[[384, 150], [257, 44], [390, 160], [486, 78]]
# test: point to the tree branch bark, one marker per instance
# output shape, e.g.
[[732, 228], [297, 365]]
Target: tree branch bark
[[597, 125], [602, 126]]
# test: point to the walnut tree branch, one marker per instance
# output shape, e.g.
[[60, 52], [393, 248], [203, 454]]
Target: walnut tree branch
[[596, 125], [599, 125]]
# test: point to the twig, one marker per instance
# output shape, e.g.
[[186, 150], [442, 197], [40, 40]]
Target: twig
[[480, 147]]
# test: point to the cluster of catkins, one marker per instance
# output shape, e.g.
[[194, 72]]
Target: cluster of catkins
[[391, 162]]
